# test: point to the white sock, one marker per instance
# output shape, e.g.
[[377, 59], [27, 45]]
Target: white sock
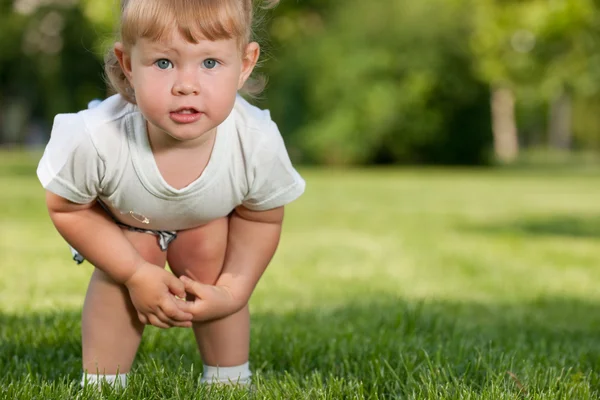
[[239, 375], [119, 380]]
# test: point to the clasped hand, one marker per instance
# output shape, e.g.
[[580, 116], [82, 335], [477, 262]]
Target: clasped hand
[[158, 295], [210, 302]]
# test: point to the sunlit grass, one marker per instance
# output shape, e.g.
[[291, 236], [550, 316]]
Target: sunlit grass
[[408, 283]]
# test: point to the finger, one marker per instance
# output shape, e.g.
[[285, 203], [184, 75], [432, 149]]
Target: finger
[[196, 288], [172, 311], [182, 324], [176, 286], [170, 322], [186, 306], [198, 308], [154, 320], [143, 319], [181, 303], [204, 315]]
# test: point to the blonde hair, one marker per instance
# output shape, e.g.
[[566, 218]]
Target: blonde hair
[[155, 19]]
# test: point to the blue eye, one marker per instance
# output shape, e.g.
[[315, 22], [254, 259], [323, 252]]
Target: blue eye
[[210, 63], [163, 63]]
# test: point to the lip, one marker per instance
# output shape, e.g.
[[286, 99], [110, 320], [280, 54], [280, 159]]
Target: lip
[[180, 117]]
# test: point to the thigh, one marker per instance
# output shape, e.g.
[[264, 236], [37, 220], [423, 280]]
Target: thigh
[[107, 302], [200, 252], [104, 295], [111, 330], [147, 246], [107, 299], [104, 292]]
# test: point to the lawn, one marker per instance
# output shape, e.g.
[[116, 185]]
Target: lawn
[[388, 283]]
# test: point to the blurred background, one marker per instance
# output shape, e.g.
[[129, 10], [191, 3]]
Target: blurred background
[[451, 82], [438, 280]]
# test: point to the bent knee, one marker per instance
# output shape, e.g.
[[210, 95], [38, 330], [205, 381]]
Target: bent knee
[[201, 263], [200, 252]]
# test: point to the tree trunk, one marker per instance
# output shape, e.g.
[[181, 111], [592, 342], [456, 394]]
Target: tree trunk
[[559, 122], [504, 126]]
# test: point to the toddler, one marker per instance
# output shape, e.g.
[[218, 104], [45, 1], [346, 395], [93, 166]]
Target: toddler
[[175, 168]]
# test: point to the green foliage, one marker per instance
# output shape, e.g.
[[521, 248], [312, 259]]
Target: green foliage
[[539, 45], [354, 82], [541, 49], [47, 61], [368, 84]]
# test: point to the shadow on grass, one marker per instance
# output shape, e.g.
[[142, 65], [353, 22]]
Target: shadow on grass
[[389, 346], [555, 225]]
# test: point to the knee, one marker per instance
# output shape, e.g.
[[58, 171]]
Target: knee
[[199, 255], [202, 263], [209, 253]]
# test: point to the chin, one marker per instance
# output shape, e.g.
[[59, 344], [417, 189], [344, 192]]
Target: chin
[[189, 136]]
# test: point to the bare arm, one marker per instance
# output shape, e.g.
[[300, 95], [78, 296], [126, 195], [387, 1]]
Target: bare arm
[[253, 239], [88, 229], [95, 236]]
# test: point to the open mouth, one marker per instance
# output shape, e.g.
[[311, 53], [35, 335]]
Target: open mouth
[[186, 111], [185, 115]]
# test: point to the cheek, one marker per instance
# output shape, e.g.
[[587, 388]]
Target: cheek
[[222, 91], [148, 81], [148, 89], [222, 98], [150, 102]]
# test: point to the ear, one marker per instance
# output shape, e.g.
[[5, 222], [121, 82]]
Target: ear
[[124, 60], [249, 60]]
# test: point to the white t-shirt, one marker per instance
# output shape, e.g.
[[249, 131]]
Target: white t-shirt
[[103, 153]]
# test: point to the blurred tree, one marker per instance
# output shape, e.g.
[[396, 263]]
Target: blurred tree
[[545, 52], [372, 82], [46, 64], [354, 82], [11, 33], [103, 15]]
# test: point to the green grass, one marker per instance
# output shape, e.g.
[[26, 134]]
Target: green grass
[[407, 283]]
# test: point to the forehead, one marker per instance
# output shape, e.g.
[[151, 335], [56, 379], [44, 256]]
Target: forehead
[[177, 42], [195, 21]]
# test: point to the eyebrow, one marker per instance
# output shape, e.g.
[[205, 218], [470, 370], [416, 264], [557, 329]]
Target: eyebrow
[[204, 52], [157, 46]]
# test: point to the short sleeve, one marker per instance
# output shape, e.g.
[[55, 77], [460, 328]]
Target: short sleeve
[[71, 166], [273, 181]]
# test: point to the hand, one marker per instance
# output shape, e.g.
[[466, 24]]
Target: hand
[[154, 293], [211, 302]]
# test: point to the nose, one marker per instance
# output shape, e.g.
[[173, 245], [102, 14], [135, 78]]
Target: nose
[[183, 89], [185, 85]]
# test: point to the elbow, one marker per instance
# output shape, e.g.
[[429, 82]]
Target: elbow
[[58, 205], [273, 216]]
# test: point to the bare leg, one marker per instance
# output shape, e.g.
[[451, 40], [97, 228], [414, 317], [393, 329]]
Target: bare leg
[[199, 253], [111, 330]]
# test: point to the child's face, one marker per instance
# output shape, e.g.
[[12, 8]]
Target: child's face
[[184, 89]]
